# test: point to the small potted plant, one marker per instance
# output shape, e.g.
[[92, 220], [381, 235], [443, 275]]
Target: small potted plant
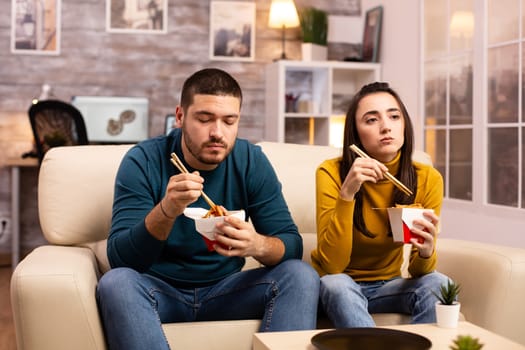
[[466, 342], [447, 306], [314, 27]]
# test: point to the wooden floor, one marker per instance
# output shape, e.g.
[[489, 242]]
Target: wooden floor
[[7, 330]]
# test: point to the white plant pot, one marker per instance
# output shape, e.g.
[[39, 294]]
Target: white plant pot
[[314, 52], [447, 316]]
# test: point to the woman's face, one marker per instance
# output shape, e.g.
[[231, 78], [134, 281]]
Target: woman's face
[[380, 125]]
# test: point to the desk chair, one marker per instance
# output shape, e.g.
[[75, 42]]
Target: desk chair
[[56, 123]]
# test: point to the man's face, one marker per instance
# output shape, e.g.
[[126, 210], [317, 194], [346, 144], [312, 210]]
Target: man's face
[[209, 129]]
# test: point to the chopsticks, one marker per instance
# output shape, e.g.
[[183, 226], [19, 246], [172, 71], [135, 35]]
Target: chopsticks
[[389, 176], [177, 162]]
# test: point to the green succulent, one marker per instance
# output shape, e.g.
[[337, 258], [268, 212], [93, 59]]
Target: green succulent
[[448, 293], [314, 25], [466, 342]]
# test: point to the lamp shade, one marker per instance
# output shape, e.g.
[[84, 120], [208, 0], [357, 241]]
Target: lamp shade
[[462, 24], [283, 14]]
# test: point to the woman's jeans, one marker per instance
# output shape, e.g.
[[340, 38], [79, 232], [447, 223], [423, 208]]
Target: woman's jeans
[[133, 305], [349, 304]]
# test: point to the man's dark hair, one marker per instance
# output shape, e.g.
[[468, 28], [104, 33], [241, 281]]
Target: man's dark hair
[[209, 81]]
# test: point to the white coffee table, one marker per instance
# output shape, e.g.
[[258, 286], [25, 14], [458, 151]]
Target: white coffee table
[[441, 338]]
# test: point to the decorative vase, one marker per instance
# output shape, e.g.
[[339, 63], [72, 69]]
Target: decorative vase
[[314, 52], [447, 316]]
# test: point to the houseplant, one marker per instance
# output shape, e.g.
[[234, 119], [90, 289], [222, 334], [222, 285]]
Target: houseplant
[[447, 306], [466, 342], [314, 27]]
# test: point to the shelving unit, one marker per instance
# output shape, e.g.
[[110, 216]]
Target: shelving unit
[[318, 95]]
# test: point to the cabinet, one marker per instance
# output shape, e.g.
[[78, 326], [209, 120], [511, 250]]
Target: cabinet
[[306, 102]]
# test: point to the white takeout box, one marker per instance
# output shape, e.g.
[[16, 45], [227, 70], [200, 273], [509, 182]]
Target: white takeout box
[[402, 221], [206, 226]]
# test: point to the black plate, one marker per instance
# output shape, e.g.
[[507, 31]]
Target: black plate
[[369, 339]]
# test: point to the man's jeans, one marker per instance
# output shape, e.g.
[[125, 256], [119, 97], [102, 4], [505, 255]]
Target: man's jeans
[[349, 304], [134, 305]]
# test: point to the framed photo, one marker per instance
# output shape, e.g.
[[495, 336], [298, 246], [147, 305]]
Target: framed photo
[[372, 34], [137, 16], [35, 26], [232, 31], [169, 123]]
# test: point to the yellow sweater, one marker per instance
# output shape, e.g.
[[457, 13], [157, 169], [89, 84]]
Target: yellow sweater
[[343, 249]]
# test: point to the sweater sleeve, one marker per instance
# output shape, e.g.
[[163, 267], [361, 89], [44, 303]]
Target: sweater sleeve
[[129, 243], [334, 222], [430, 195]]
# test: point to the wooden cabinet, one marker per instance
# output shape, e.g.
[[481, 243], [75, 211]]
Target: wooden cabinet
[[306, 102]]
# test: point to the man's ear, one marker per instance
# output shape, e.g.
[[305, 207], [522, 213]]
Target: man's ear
[[179, 115]]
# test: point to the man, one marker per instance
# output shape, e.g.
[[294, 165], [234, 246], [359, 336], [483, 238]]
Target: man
[[162, 271]]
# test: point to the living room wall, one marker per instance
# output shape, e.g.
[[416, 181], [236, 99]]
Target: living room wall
[[94, 62]]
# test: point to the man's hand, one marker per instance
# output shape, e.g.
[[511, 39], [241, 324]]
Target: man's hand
[[238, 238], [181, 191]]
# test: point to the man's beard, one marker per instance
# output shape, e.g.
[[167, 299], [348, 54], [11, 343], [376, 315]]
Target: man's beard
[[196, 151]]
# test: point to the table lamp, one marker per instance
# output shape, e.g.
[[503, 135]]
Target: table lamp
[[283, 14]]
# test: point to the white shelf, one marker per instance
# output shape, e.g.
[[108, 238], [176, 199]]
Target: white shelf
[[323, 90], [304, 115]]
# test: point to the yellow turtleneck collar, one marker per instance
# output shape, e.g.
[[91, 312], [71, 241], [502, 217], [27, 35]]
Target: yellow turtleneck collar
[[393, 165]]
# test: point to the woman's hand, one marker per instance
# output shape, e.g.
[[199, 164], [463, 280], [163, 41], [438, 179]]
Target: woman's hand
[[426, 230], [363, 169]]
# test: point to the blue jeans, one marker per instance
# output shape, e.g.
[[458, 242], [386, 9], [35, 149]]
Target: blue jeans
[[349, 304], [133, 305]]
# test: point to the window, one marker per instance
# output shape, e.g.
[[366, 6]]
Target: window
[[475, 132], [504, 124], [448, 92]]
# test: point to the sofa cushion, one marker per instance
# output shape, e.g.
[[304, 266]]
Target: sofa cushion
[[75, 207], [295, 166]]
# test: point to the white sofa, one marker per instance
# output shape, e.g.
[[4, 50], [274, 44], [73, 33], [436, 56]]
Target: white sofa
[[53, 288]]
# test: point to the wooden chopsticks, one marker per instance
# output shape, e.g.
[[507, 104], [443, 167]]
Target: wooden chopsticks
[[177, 162], [389, 176]]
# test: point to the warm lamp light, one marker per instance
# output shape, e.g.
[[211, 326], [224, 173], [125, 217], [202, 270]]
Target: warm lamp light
[[283, 14], [462, 24], [337, 128]]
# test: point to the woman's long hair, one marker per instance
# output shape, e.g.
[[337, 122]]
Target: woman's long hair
[[407, 172]]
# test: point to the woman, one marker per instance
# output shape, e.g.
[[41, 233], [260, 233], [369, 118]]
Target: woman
[[356, 256]]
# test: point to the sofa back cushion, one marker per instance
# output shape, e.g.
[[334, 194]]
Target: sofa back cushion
[[75, 192], [295, 166], [76, 185]]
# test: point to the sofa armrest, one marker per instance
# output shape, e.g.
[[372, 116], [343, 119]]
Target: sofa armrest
[[492, 279], [53, 298]]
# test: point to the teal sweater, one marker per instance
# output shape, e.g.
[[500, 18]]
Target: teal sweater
[[244, 180]]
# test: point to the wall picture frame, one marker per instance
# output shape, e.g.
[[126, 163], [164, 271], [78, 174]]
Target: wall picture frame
[[232, 31], [169, 123], [137, 16], [372, 34], [35, 27]]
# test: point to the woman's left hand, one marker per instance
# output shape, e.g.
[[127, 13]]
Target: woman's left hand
[[426, 230]]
